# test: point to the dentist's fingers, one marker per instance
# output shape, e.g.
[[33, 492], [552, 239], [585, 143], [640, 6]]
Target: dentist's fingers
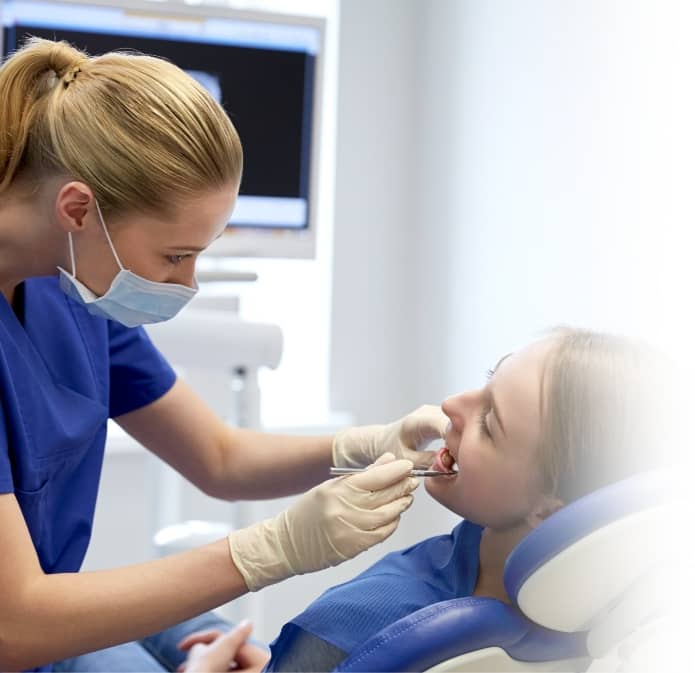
[[421, 459], [375, 519], [375, 499], [373, 524], [385, 520], [380, 476], [428, 422]]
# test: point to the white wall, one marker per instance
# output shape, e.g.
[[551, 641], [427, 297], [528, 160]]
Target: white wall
[[554, 122], [504, 166], [374, 199]]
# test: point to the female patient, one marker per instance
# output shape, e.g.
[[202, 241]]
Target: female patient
[[558, 419]]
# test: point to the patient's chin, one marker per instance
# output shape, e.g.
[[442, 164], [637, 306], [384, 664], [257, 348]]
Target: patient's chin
[[444, 492]]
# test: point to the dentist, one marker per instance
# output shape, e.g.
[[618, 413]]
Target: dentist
[[115, 173]]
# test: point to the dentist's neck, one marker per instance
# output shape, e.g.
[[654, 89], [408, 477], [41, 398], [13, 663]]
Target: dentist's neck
[[29, 244]]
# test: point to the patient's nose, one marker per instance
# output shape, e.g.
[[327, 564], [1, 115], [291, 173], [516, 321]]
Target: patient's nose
[[462, 407], [454, 408]]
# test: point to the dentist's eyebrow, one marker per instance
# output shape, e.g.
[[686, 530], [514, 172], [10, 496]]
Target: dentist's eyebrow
[[192, 248], [493, 402]]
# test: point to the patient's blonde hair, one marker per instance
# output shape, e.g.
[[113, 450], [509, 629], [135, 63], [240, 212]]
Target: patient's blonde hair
[[608, 411], [136, 129]]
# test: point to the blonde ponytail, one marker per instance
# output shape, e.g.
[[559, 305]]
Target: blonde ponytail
[[137, 129], [25, 82]]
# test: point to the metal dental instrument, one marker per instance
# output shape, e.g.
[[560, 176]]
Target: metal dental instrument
[[335, 471]]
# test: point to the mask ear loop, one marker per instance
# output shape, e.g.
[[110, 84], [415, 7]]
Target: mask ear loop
[[108, 238], [72, 255]]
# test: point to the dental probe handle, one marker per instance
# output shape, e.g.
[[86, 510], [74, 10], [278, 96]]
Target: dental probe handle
[[335, 471]]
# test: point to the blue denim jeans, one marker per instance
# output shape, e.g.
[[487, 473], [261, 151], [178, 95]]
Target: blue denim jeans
[[154, 653]]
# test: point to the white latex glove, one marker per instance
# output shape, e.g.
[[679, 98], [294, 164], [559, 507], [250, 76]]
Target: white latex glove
[[360, 446], [329, 524]]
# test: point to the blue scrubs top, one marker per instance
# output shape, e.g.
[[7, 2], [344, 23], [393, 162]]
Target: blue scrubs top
[[63, 373], [437, 569]]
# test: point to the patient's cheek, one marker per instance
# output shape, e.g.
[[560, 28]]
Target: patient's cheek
[[445, 491]]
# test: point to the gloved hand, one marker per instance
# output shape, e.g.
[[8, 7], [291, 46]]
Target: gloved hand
[[360, 446], [329, 524]]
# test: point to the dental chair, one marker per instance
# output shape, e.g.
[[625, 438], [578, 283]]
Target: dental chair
[[588, 588]]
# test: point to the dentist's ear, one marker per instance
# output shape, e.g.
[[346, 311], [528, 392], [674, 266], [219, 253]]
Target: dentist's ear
[[72, 204], [545, 506]]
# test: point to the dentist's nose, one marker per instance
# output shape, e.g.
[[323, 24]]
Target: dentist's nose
[[187, 278]]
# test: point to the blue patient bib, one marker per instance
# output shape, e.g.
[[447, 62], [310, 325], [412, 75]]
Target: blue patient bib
[[437, 569]]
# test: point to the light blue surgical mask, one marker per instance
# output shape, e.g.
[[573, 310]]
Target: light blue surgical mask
[[131, 299]]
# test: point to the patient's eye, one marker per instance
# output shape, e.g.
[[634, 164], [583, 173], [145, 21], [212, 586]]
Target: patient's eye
[[483, 424]]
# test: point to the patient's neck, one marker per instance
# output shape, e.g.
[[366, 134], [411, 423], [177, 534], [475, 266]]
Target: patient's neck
[[495, 547]]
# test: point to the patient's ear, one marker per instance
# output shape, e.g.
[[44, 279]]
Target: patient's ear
[[545, 506]]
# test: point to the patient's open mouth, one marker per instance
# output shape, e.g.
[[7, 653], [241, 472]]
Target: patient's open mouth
[[445, 462]]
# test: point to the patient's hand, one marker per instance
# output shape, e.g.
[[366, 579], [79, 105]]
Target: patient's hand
[[217, 651]]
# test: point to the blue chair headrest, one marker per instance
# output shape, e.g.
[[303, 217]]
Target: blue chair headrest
[[568, 569]]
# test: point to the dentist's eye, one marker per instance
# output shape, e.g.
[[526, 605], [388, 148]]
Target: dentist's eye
[[176, 259]]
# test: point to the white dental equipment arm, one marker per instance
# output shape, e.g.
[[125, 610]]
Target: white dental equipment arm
[[219, 355]]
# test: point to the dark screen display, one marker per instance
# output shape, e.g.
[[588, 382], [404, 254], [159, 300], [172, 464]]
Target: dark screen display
[[267, 93]]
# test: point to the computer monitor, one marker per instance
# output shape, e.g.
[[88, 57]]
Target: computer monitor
[[265, 69]]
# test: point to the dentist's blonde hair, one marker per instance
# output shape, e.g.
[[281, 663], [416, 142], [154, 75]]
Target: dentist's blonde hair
[[609, 411], [136, 129]]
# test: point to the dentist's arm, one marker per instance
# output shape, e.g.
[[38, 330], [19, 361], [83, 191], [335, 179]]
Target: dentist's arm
[[233, 463], [48, 617], [226, 462]]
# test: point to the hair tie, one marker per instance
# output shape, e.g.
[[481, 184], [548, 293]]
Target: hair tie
[[71, 75]]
